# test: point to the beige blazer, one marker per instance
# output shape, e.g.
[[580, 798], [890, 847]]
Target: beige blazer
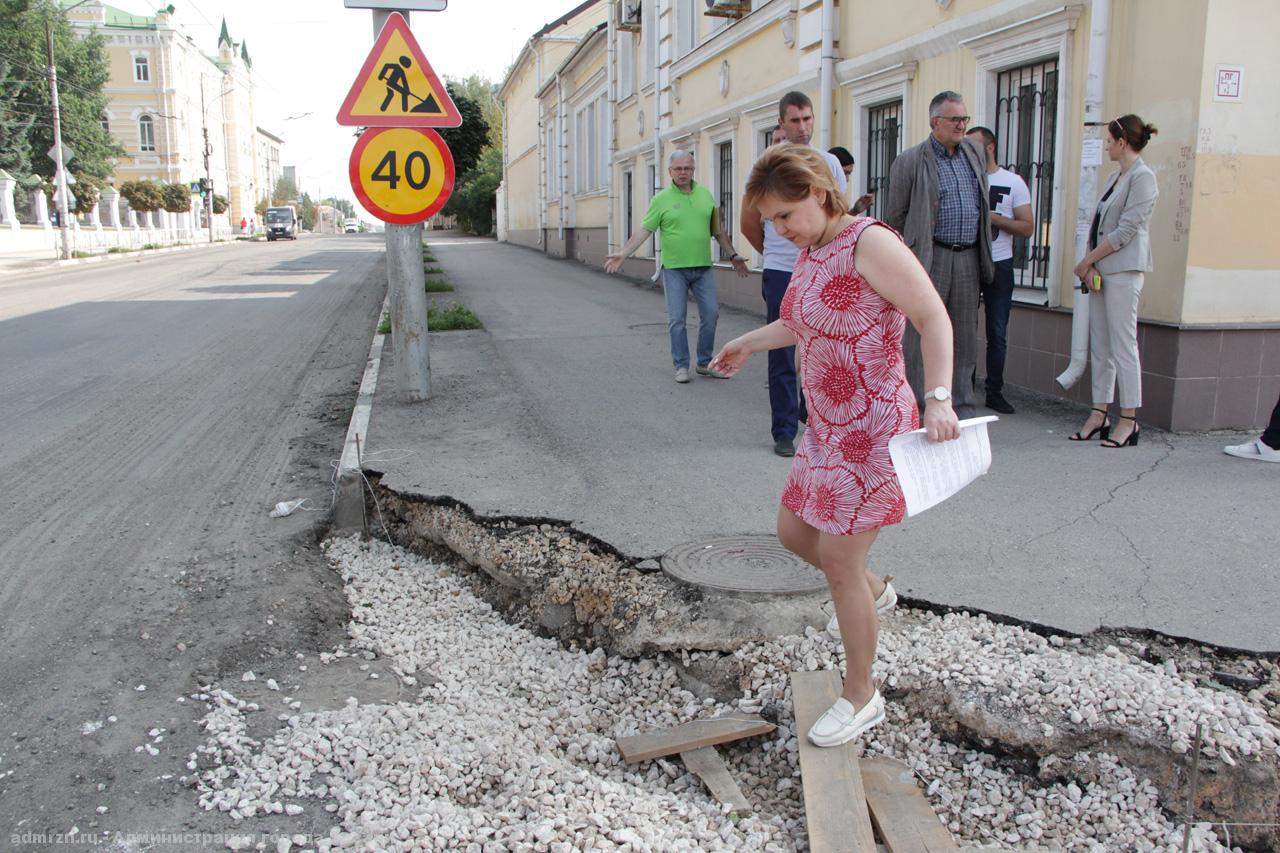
[[1126, 220]]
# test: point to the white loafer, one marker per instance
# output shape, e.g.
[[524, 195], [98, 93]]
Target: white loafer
[[886, 602], [841, 724]]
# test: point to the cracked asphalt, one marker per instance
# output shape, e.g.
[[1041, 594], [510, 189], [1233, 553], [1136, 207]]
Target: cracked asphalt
[[564, 407]]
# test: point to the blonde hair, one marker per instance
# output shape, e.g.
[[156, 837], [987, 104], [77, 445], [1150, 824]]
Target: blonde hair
[[787, 172]]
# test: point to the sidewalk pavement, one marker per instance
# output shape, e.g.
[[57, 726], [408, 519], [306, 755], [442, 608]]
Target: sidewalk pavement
[[564, 407]]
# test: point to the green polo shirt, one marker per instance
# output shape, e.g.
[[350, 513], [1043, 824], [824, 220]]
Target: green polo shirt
[[684, 221]]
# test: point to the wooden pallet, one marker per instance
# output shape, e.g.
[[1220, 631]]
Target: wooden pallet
[[845, 796]]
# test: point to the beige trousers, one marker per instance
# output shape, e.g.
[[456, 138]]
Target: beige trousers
[[1113, 339]]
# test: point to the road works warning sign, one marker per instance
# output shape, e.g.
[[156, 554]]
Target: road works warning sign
[[397, 87]]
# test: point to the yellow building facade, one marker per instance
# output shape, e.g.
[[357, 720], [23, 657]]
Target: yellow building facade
[[636, 79], [165, 92]]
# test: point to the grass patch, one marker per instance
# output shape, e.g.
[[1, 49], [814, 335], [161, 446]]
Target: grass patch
[[150, 245], [451, 316], [384, 328], [117, 250], [81, 253], [435, 286], [431, 270]]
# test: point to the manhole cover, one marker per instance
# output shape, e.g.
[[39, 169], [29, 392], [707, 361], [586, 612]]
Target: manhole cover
[[756, 564]]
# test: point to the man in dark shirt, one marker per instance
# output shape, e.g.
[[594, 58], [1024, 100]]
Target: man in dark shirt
[[937, 199]]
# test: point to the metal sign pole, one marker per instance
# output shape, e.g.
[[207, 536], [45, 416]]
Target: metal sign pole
[[407, 293]]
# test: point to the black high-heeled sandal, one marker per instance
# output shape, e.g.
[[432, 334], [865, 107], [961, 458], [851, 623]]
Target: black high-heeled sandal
[[1131, 440], [1105, 428]]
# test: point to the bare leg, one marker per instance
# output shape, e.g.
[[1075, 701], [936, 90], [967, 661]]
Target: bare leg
[[1123, 428], [1095, 418], [802, 540], [843, 559]]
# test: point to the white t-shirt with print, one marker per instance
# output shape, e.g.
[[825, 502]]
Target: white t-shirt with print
[[780, 253], [1007, 191]]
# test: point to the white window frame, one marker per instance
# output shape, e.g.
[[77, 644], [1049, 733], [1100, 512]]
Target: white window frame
[[146, 128], [590, 145], [648, 41], [686, 26], [1033, 40], [626, 65], [142, 60], [869, 91]]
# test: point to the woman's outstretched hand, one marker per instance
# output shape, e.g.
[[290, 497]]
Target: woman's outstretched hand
[[940, 421], [731, 357]]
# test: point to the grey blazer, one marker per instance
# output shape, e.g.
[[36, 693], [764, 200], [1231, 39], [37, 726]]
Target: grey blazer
[[912, 201], [1126, 219]]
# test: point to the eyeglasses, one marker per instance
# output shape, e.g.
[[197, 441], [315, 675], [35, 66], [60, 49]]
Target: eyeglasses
[[959, 121]]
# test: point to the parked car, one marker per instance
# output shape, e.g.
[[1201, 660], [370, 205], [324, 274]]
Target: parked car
[[282, 222]]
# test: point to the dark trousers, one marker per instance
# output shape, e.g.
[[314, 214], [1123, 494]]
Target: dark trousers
[[784, 399], [997, 300], [1271, 435]]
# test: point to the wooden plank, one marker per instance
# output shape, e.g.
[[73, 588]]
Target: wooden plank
[[835, 806], [904, 818], [708, 765], [691, 736]]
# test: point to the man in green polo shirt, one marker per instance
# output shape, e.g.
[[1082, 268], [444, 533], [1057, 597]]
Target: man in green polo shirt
[[685, 215]]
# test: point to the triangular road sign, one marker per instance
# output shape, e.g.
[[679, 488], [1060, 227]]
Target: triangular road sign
[[397, 87]]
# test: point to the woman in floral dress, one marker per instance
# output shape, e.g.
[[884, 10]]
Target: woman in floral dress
[[854, 287]]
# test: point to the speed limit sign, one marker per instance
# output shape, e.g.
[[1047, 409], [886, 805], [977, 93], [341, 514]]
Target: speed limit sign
[[402, 174]]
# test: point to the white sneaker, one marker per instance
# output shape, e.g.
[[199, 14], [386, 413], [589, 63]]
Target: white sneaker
[[1255, 450], [841, 724], [682, 374], [886, 602]]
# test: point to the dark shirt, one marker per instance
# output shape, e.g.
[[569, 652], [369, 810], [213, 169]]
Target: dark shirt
[[959, 207], [1097, 219]]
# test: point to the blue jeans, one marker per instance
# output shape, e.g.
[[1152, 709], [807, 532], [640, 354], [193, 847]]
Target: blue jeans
[[676, 284], [784, 394], [997, 299]]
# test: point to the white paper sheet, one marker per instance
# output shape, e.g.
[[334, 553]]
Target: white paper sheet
[[1091, 153], [932, 472]]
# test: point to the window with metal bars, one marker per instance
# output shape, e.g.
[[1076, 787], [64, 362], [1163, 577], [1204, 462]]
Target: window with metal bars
[[628, 205], [884, 144], [1026, 125], [724, 162]]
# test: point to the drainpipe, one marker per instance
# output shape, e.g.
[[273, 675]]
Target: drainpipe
[[657, 131], [562, 150], [543, 155], [828, 73], [611, 35], [1087, 196]]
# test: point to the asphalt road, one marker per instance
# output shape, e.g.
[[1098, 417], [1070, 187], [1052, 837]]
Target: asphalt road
[[152, 411]]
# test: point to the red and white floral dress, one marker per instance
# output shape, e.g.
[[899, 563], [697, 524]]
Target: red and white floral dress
[[850, 343]]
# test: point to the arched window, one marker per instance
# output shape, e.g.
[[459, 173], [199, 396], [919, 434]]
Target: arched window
[[141, 69], [146, 134]]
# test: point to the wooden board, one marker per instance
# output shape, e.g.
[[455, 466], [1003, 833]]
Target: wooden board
[[835, 805], [691, 736], [904, 818], [707, 764]]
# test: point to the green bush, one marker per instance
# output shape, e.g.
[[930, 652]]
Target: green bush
[[451, 316], [81, 253], [384, 328], [143, 196], [116, 250], [151, 245], [175, 198]]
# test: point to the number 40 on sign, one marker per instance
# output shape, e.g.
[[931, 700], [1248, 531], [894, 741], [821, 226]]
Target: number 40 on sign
[[402, 175]]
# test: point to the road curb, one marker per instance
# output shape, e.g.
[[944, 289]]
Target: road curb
[[348, 503]]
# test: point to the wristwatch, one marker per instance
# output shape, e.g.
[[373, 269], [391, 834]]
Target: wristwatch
[[736, 257], [941, 394]]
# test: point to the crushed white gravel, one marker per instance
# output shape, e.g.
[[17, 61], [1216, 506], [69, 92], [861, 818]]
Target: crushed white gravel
[[509, 744]]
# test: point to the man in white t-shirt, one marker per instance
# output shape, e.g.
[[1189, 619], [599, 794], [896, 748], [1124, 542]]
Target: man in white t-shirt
[[795, 117], [1010, 216]]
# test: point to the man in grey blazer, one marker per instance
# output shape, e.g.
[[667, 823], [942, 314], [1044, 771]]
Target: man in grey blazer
[[937, 200]]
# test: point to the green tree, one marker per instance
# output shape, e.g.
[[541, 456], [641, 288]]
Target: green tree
[[176, 198], [26, 131], [342, 205], [485, 96], [284, 192], [307, 212], [469, 139], [220, 204], [143, 196], [473, 196]]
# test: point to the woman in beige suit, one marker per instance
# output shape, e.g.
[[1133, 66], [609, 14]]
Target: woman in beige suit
[[1119, 256]]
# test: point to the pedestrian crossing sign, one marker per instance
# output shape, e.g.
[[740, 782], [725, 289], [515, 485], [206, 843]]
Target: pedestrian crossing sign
[[397, 86]]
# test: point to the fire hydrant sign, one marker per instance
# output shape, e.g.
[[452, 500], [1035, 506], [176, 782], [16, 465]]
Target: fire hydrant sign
[[397, 87], [401, 175]]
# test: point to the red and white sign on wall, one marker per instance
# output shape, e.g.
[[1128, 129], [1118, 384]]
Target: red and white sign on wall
[[1228, 83]]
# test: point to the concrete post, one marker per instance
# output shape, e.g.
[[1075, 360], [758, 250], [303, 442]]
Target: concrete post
[[408, 312], [95, 216], [40, 209], [109, 208], [128, 216], [8, 213]]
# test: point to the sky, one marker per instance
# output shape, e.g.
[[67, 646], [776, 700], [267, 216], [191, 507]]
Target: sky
[[306, 54]]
